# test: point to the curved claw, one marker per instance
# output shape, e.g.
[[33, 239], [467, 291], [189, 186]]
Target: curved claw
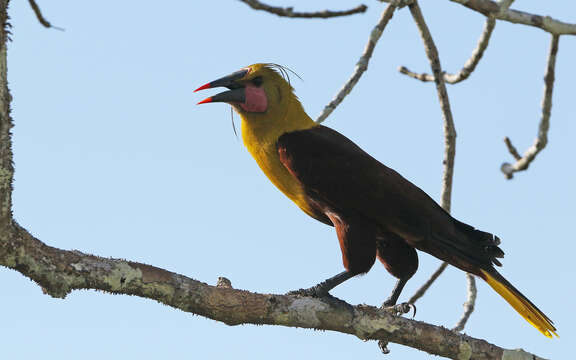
[[410, 305], [383, 345]]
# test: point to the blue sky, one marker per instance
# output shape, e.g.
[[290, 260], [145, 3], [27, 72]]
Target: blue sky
[[113, 158]]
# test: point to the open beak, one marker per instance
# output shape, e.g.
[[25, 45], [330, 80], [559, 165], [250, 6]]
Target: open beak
[[236, 94]]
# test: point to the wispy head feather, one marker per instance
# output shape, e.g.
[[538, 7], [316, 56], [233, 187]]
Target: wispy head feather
[[284, 71]]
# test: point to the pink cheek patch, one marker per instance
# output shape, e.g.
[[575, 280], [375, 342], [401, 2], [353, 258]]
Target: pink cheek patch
[[256, 100]]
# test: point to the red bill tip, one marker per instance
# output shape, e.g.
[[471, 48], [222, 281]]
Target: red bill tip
[[205, 86], [207, 100]]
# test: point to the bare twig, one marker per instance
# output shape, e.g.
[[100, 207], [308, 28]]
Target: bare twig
[[61, 271], [523, 163], [40, 17], [362, 63], [449, 132], [469, 66], [546, 23], [289, 12], [422, 290], [469, 304], [511, 148], [449, 129]]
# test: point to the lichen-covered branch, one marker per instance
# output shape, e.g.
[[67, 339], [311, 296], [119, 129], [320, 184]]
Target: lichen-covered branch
[[6, 166], [546, 23], [61, 271], [522, 163], [469, 66], [289, 12], [362, 64]]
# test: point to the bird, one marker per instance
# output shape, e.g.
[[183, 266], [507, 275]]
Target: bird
[[376, 212]]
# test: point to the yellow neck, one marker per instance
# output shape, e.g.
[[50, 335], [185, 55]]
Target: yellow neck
[[260, 133]]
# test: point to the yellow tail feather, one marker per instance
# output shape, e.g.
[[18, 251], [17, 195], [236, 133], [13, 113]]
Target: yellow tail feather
[[522, 305]]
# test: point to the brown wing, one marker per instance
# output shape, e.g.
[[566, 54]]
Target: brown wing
[[337, 173]]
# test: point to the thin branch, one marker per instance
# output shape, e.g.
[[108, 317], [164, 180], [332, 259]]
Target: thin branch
[[422, 290], [449, 129], [474, 59], [546, 23], [469, 66], [40, 17], [362, 63], [512, 149], [61, 271], [449, 132], [542, 139], [289, 12], [469, 304]]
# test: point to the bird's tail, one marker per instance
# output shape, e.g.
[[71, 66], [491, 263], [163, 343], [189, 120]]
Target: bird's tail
[[520, 303]]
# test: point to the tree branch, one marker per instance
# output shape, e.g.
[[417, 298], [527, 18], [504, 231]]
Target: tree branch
[[289, 12], [469, 304], [362, 63], [6, 165], [546, 23], [40, 17], [522, 163], [60, 271], [449, 129], [469, 66], [449, 143]]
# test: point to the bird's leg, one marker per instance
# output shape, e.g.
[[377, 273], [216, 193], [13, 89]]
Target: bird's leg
[[390, 303], [322, 289]]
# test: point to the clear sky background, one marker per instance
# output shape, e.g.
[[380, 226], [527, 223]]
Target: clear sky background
[[113, 158]]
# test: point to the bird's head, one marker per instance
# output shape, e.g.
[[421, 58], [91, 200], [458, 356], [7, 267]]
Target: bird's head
[[260, 93]]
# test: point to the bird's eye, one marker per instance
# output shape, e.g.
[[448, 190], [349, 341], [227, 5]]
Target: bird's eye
[[257, 80]]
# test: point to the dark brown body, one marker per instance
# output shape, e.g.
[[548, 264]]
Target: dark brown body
[[376, 211]]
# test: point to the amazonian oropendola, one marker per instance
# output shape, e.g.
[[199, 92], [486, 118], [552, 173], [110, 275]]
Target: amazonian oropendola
[[376, 211]]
